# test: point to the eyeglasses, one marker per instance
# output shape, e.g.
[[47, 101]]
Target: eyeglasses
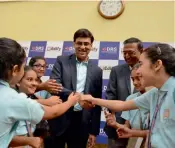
[[39, 66], [83, 43]]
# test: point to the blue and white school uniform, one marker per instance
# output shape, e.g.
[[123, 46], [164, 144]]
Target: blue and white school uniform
[[137, 118], [15, 107], [43, 94], [162, 102]]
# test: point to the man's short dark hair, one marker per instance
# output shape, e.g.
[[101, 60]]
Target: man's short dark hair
[[134, 40], [84, 33]]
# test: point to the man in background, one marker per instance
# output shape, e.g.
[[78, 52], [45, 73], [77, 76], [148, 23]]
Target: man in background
[[120, 86]]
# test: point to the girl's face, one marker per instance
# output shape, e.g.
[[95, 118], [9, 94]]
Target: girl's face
[[136, 78], [146, 70], [39, 67], [28, 83]]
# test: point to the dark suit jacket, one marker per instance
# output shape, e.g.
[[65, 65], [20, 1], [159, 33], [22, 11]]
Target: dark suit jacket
[[65, 72], [119, 88]]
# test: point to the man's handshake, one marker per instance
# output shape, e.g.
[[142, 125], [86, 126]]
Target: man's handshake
[[85, 101]]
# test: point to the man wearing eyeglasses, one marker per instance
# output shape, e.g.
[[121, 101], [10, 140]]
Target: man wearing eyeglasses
[[120, 86], [77, 73]]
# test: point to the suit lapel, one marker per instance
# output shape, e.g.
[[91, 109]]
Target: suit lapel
[[127, 78], [73, 71], [88, 76]]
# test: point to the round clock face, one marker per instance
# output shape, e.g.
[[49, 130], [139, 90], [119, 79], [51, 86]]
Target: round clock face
[[111, 8]]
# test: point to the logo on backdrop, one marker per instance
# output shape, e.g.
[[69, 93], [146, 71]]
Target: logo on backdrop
[[53, 49], [50, 48], [102, 138], [94, 49], [106, 66], [26, 46], [94, 53], [105, 83], [109, 50], [68, 48], [37, 48], [50, 64]]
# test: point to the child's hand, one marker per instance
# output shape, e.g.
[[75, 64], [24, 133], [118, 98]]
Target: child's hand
[[124, 132], [52, 86], [53, 100], [74, 98], [36, 142], [110, 119]]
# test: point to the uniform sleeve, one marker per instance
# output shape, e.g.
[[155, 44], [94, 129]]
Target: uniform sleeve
[[143, 101], [23, 108], [48, 95], [21, 129], [125, 114]]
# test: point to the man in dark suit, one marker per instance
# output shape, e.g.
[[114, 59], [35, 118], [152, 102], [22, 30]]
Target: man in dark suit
[[120, 86], [77, 73]]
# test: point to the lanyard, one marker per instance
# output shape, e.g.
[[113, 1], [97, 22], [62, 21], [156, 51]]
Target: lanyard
[[141, 122], [158, 105], [29, 130]]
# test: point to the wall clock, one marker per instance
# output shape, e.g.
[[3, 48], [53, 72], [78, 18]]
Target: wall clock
[[110, 9]]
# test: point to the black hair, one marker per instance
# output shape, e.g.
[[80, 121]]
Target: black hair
[[27, 68], [11, 53], [84, 33], [135, 40], [33, 60], [163, 52]]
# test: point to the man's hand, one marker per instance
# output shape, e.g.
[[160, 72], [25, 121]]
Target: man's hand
[[85, 104], [52, 86], [91, 141], [87, 98], [36, 142], [124, 132]]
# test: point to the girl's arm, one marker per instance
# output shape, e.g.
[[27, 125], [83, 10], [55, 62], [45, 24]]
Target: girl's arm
[[118, 125], [23, 141], [59, 109], [125, 132], [139, 133], [127, 124], [111, 121], [114, 105], [50, 101]]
